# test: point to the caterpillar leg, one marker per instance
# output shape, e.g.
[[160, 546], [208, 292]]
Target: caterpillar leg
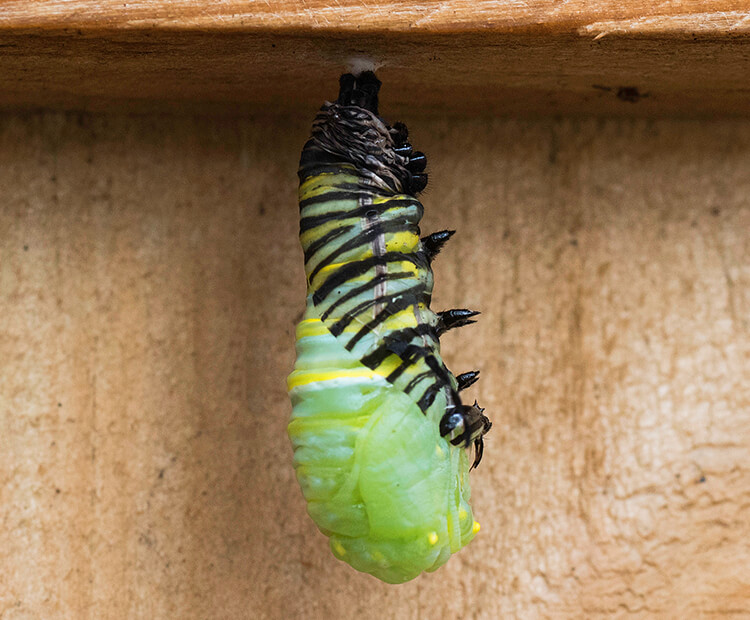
[[458, 317], [416, 161], [432, 244], [465, 425], [467, 379]]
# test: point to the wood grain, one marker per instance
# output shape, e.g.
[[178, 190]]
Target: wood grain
[[150, 279], [603, 16], [687, 57]]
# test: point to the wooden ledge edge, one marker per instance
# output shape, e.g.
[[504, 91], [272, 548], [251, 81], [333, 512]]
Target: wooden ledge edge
[[487, 17]]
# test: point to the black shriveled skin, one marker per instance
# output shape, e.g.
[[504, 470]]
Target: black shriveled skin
[[350, 131], [362, 91]]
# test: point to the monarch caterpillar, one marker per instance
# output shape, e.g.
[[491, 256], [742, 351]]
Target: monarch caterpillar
[[378, 429]]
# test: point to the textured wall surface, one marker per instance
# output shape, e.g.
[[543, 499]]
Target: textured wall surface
[[150, 279]]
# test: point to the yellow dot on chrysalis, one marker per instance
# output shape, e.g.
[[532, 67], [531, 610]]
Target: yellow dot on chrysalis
[[438, 451], [476, 527], [433, 538], [462, 514], [339, 548]]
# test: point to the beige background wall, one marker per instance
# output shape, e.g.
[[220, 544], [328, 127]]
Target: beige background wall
[[150, 279]]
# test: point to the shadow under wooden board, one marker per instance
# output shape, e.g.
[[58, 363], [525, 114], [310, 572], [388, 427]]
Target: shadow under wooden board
[[150, 280]]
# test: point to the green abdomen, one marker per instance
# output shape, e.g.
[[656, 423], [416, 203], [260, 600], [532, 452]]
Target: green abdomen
[[380, 481]]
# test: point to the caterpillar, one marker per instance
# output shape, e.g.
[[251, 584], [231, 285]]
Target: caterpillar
[[378, 428]]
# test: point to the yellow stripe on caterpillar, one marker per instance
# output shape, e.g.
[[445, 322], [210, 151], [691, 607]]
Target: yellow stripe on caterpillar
[[401, 242], [322, 183], [392, 266], [304, 377]]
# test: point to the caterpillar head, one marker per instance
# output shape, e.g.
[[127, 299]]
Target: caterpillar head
[[464, 425]]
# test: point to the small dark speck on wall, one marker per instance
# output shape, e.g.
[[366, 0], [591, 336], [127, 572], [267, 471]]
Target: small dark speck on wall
[[631, 94]]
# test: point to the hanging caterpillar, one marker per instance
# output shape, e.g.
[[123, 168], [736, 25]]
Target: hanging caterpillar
[[378, 429]]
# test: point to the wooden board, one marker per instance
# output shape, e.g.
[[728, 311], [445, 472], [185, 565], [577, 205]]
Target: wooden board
[[150, 279], [687, 57], [583, 16]]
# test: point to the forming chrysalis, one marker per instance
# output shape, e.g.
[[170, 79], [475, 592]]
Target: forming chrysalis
[[378, 428]]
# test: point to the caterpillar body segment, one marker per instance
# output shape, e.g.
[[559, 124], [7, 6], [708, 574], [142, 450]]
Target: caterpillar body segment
[[378, 429]]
